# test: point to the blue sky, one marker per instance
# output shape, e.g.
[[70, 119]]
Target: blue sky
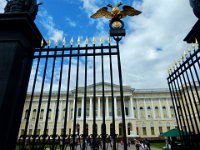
[[153, 42]]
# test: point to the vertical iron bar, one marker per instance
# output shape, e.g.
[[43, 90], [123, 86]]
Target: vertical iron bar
[[121, 97], [76, 100], [184, 94], [174, 105], [85, 99], [67, 97], [58, 100], [40, 100], [181, 101], [177, 103], [94, 100], [113, 135], [103, 127], [31, 101]]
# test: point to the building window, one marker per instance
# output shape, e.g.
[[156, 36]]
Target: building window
[[164, 112], [152, 131], [87, 112], [149, 112], [42, 114], [30, 132], [34, 114], [38, 132], [63, 114], [79, 112], [172, 111], [71, 116], [26, 114], [144, 130], [49, 115], [22, 131], [126, 110], [137, 130], [160, 130], [168, 128]]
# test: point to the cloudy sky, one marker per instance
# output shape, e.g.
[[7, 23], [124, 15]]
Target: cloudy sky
[[153, 41]]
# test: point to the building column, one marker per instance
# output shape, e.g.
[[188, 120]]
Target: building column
[[82, 107], [131, 105], [45, 112], [161, 111], [91, 107], [53, 111], [145, 109], [68, 110], [168, 109], [73, 110], [60, 112], [138, 109], [115, 105], [153, 109], [107, 107], [99, 106]]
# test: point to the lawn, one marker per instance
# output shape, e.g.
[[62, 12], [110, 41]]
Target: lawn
[[158, 145]]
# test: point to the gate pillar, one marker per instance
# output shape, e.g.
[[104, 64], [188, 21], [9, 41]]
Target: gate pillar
[[19, 36]]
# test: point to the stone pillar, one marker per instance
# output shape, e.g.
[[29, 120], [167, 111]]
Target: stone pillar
[[19, 36], [107, 108], [131, 106], [115, 106], [82, 107], [99, 107], [168, 109], [91, 108]]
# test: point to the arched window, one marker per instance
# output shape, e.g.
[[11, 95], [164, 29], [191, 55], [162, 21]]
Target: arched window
[[34, 114], [164, 112], [42, 114], [49, 115], [129, 128], [126, 111], [26, 114], [79, 112]]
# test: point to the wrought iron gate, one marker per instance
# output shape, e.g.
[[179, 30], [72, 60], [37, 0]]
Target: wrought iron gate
[[184, 85], [57, 76]]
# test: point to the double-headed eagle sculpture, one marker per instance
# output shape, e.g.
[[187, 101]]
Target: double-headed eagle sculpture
[[115, 13]]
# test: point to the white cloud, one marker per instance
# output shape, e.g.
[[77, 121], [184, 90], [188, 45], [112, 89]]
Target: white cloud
[[2, 5], [47, 21], [70, 22], [162, 25]]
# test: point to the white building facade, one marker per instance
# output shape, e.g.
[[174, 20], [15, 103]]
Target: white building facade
[[147, 112]]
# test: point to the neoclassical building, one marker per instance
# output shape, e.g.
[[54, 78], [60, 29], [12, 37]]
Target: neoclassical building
[[147, 112]]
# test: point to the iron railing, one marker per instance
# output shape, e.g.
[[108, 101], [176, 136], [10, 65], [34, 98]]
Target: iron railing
[[184, 85], [58, 70]]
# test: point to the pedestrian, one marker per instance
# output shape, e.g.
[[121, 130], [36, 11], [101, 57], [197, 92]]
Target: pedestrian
[[137, 145], [147, 143]]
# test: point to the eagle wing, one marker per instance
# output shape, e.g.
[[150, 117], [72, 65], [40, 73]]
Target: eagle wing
[[102, 12], [129, 11]]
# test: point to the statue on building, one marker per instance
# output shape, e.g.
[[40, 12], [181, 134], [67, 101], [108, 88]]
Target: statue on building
[[195, 4], [22, 6]]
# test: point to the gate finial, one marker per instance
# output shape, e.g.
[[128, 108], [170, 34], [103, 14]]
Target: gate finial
[[64, 42], [72, 41], [42, 42], [49, 43], [86, 41]]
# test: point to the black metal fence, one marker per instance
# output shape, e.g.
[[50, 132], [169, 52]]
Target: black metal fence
[[55, 73], [184, 85]]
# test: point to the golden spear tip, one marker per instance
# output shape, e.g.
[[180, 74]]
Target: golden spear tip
[[182, 57], [101, 40], [72, 41], [64, 41], [86, 40], [185, 53], [49, 42], [94, 40], [196, 41], [79, 41], [109, 39], [56, 43], [42, 42], [189, 50]]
